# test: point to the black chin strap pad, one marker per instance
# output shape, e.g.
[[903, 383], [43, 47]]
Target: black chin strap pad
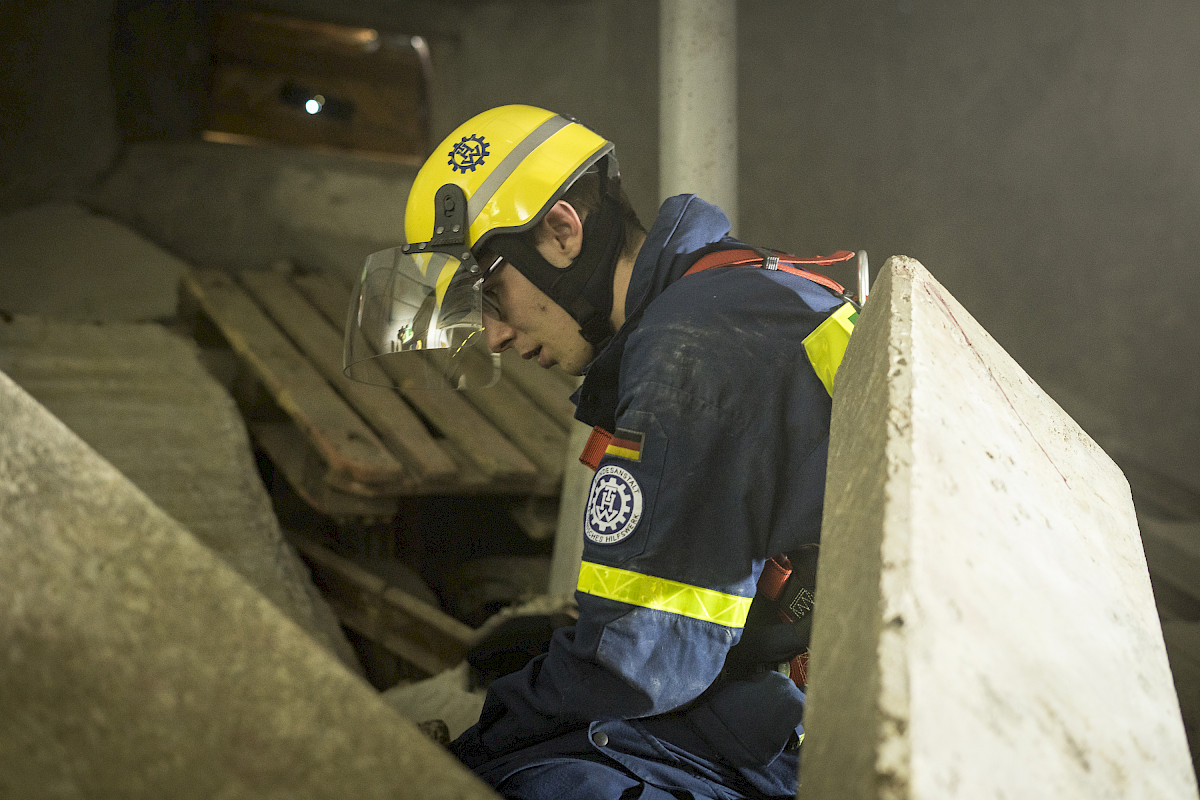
[[584, 288], [603, 235]]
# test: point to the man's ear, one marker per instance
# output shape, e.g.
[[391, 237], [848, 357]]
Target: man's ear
[[560, 234]]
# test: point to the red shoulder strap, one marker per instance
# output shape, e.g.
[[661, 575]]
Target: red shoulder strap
[[740, 258]]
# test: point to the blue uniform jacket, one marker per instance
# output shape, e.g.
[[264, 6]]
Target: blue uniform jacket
[[719, 463]]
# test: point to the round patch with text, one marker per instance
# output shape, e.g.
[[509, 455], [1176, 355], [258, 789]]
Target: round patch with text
[[614, 506]]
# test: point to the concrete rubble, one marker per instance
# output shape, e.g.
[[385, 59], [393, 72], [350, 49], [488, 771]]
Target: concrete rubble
[[238, 207], [59, 259], [987, 626], [140, 396], [137, 664]]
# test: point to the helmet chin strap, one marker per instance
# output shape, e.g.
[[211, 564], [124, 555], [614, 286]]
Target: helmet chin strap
[[584, 288]]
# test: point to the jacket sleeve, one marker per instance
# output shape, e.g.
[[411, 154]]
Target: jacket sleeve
[[677, 528]]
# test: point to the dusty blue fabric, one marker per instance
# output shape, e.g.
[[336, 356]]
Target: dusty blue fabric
[[710, 373]]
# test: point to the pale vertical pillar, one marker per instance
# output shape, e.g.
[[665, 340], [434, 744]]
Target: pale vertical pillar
[[698, 101], [568, 541], [985, 625]]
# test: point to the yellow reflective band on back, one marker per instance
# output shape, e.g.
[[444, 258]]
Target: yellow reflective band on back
[[826, 346], [663, 595]]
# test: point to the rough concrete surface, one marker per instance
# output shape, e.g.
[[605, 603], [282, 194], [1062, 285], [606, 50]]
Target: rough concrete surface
[[60, 259], [988, 627], [135, 664], [225, 205], [140, 396]]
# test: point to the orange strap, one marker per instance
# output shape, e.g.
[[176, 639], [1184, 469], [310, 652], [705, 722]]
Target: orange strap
[[774, 575], [770, 584], [740, 258], [593, 451]]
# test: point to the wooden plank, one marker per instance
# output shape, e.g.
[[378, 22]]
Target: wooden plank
[[385, 411], [447, 410], [412, 629], [539, 436], [357, 461], [305, 471]]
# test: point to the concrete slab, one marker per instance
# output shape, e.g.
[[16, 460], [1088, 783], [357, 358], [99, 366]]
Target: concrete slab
[[136, 664], [61, 260], [986, 626], [320, 210], [140, 396]]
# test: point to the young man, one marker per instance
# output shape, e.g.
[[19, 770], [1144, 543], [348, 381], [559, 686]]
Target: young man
[[717, 397]]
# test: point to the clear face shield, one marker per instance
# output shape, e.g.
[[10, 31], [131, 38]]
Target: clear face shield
[[416, 320], [416, 315]]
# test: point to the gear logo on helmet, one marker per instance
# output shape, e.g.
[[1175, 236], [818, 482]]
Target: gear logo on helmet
[[468, 154]]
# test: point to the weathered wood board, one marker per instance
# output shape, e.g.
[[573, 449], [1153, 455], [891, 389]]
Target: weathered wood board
[[351, 449]]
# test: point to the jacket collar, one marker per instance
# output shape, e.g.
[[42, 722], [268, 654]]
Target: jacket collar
[[685, 224]]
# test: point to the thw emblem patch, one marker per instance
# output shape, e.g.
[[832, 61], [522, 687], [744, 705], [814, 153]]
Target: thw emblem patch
[[614, 506]]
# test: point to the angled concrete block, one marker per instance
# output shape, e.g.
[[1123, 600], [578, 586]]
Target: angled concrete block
[[140, 396], [136, 664], [61, 260], [986, 627]]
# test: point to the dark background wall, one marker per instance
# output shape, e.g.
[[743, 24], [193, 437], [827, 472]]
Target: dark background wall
[[1041, 159]]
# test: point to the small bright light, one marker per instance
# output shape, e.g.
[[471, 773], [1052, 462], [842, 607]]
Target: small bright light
[[314, 104]]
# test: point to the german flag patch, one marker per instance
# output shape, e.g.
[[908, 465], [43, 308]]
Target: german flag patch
[[626, 444]]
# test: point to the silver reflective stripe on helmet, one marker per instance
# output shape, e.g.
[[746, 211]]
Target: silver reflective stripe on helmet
[[504, 170]]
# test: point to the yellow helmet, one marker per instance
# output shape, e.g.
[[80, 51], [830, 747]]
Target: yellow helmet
[[494, 176], [512, 163]]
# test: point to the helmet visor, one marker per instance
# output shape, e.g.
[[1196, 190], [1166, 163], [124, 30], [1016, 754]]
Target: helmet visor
[[416, 320]]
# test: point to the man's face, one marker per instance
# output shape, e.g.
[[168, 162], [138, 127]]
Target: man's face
[[519, 315]]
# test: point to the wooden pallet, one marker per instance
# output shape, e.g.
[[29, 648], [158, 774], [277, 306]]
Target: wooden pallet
[[350, 449], [407, 626]]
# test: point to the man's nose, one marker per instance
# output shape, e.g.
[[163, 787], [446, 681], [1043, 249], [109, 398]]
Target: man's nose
[[499, 335]]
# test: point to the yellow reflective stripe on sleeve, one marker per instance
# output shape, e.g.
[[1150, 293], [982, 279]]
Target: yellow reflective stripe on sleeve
[[826, 346], [663, 595]]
